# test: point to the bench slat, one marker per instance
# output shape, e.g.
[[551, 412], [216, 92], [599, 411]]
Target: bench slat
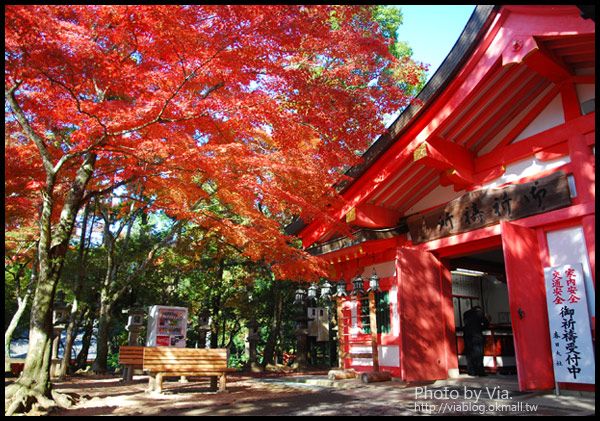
[[184, 358], [195, 373], [130, 361], [180, 367], [183, 351], [161, 362], [131, 355]]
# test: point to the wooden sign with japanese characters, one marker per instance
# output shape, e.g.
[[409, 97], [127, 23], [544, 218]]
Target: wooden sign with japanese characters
[[481, 208], [570, 332]]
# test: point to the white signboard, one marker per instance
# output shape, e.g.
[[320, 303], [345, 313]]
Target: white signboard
[[570, 333], [167, 326]]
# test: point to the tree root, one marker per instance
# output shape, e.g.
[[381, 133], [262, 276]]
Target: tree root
[[65, 400], [22, 399]]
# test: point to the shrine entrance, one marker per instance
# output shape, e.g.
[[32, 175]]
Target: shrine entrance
[[479, 279], [507, 281]]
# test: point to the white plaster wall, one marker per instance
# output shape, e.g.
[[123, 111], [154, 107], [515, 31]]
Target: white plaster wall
[[585, 92], [551, 116], [437, 196], [526, 168], [389, 355], [568, 246]]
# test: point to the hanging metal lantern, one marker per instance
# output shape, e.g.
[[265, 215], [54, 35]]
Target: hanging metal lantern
[[358, 285], [313, 289], [326, 291], [373, 282], [341, 288], [299, 296]]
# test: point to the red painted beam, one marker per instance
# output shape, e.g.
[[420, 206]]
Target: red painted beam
[[489, 83], [584, 79], [570, 101], [416, 190], [547, 67], [501, 121], [510, 106], [449, 154], [371, 216], [503, 93], [536, 143], [417, 176], [528, 118], [414, 198]]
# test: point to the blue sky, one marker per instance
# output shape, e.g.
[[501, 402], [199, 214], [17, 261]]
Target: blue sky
[[432, 30]]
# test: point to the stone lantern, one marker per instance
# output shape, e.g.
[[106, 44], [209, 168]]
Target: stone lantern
[[135, 323], [203, 327], [60, 317], [253, 337], [60, 311], [301, 331], [135, 320]]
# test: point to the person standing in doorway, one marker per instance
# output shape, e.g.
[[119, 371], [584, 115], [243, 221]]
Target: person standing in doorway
[[474, 324]]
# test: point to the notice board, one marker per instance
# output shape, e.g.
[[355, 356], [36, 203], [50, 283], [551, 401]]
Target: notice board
[[570, 332]]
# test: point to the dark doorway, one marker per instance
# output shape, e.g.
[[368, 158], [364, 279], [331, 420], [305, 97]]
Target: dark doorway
[[479, 279]]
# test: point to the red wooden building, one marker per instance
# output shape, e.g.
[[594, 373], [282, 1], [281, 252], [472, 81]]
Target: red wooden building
[[475, 189]]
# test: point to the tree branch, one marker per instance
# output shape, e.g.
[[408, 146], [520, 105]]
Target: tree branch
[[108, 189], [20, 115]]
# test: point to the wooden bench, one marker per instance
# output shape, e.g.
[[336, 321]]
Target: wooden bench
[[131, 356], [161, 362]]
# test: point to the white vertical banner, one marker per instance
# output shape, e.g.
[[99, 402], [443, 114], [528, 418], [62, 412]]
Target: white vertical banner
[[570, 332]]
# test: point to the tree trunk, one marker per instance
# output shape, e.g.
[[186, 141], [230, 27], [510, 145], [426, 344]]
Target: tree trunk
[[81, 360], [72, 326], [269, 351], [215, 307], [22, 304], [34, 383], [69, 339], [100, 365]]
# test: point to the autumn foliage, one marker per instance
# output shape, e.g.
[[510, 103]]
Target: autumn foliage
[[234, 117]]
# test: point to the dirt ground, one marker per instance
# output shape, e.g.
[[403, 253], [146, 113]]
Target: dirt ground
[[291, 394], [108, 395]]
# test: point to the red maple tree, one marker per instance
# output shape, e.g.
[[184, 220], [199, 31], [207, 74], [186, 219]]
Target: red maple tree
[[259, 108]]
